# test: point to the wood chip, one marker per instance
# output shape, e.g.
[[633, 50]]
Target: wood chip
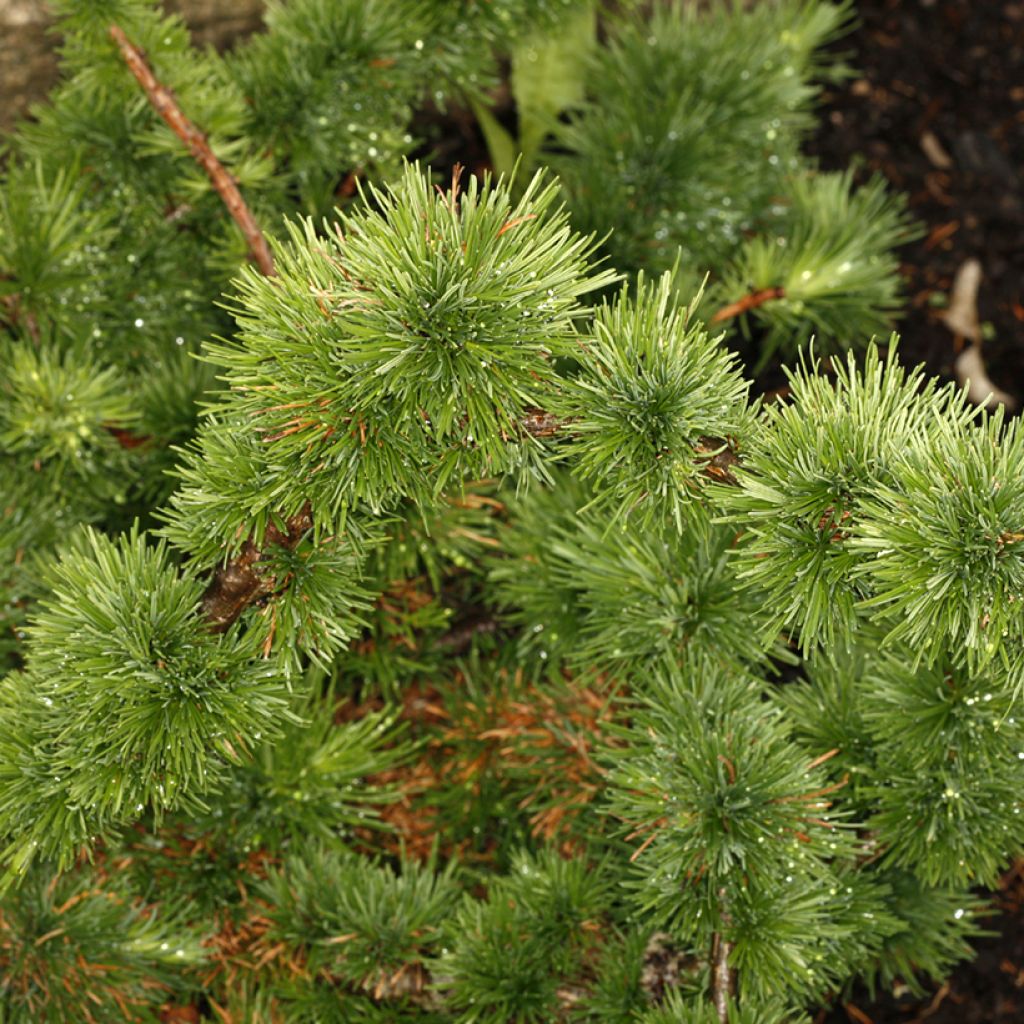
[[932, 149], [970, 370], [962, 319], [962, 316]]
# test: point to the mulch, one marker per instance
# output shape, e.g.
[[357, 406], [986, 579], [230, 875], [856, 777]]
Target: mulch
[[937, 106]]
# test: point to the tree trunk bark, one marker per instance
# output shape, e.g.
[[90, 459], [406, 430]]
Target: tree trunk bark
[[28, 62]]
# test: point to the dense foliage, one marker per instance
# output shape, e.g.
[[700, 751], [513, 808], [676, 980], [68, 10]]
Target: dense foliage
[[440, 628]]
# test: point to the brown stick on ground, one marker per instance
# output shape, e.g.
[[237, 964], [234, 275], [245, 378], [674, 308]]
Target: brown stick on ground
[[747, 303], [166, 106], [238, 584]]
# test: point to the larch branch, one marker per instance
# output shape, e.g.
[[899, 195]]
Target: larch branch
[[166, 106]]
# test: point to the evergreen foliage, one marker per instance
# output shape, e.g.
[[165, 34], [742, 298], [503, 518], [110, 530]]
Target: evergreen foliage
[[356, 923], [651, 385], [426, 631], [78, 944], [695, 155], [827, 448], [831, 291]]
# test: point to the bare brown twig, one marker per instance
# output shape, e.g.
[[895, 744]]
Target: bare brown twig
[[747, 303], [538, 423], [167, 107], [239, 583]]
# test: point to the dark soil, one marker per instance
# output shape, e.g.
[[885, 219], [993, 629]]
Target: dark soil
[[986, 990], [951, 73], [937, 106]]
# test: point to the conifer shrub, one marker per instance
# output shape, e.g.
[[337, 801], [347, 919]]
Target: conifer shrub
[[410, 611]]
